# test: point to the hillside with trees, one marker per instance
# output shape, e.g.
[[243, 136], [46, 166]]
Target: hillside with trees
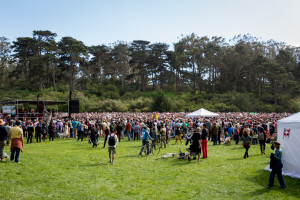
[[245, 74]]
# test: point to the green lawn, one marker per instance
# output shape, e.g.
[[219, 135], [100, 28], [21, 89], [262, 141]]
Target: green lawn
[[66, 169]]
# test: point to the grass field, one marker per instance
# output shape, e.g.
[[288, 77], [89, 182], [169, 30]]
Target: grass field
[[66, 169]]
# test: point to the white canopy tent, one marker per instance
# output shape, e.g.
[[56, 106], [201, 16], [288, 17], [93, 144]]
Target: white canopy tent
[[288, 134], [202, 113]]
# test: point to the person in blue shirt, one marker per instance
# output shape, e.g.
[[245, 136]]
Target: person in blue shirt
[[230, 130], [80, 129], [145, 139], [74, 128]]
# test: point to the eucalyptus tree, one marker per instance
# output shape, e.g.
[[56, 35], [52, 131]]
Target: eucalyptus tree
[[190, 52], [139, 54], [71, 52], [278, 78], [5, 51], [45, 56], [23, 57], [100, 56], [121, 59], [158, 65]]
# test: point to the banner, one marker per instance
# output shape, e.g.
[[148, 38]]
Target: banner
[[9, 109]]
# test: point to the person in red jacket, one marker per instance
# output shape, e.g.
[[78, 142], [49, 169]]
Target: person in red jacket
[[128, 128]]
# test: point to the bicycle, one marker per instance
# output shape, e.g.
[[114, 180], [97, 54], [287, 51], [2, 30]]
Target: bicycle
[[152, 149]]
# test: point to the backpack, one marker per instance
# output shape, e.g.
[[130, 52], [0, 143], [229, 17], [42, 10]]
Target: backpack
[[261, 136], [111, 140]]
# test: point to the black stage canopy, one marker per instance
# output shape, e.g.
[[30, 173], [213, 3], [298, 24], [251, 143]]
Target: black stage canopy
[[43, 102]]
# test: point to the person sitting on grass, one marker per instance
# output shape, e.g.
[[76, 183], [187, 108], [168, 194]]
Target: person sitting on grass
[[145, 140], [112, 141]]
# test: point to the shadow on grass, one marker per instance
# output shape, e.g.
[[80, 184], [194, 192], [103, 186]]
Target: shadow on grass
[[178, 162], [262, 178], [131, 156], [93, 165], [239, 158]]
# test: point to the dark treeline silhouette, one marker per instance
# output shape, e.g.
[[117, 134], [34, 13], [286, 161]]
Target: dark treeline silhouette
[[208, 69]]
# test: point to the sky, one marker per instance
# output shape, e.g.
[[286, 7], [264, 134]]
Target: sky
[[96, 22]]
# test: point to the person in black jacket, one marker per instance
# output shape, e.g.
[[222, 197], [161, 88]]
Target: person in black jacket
[[119, 130], [94, 135], [262, 137], [30, 130], [51, 130], [38, 133], [3, 138]]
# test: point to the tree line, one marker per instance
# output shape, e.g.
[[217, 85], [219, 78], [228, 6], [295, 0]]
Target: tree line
[[206, 68]]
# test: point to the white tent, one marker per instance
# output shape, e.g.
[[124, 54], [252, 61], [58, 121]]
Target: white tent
[[202, 113], [288, 134]]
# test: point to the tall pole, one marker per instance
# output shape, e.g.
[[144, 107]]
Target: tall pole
[[70, 98]]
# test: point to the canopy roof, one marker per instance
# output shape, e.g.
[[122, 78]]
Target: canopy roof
[[44, 102], [292, 118], [202, 113]]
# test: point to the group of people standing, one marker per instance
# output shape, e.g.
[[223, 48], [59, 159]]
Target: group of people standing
[[112, 129]]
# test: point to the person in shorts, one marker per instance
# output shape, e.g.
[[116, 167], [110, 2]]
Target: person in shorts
[[112, 141]]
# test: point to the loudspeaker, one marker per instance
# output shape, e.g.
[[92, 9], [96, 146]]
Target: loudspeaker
[[74, 106]]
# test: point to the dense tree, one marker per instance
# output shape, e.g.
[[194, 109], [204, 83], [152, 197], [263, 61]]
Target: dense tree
[[4, 59], [200, 67], [140, 50], [72, 52]]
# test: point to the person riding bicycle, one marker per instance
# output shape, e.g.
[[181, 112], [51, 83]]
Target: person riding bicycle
[[145, 140]]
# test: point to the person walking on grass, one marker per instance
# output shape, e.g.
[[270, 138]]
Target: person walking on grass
[[177, 135], [214, 133], [112, 141], [38, 133], [94, 135], [106, 134], [30, 131], [145, 140], [262, 138], [136, 131], [3, 139], [246, 138], [195, 147], [204, 136], [276, 166], [16, 138], [163, 136], [51, 130], [128, 128]]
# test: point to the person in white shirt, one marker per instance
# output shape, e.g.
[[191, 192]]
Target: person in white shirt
[[112, 141]]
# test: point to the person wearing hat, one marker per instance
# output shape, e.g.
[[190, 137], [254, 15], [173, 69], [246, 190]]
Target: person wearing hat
[[276, 167], [3, 138]]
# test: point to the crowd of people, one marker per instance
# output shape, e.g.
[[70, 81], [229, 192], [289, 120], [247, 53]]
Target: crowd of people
[[250, 128]]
